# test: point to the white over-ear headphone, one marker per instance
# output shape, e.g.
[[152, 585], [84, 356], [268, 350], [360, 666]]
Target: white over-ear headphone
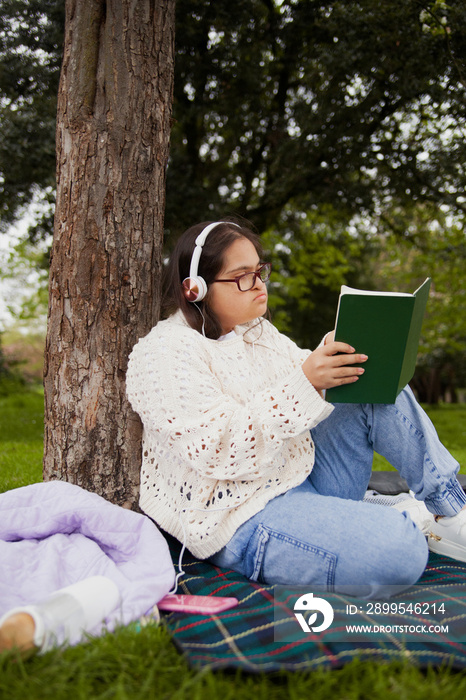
[[194, 286]]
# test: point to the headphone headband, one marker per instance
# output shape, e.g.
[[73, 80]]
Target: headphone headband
[[194, 286]]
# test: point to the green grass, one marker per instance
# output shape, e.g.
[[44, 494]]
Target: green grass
[[450, 423], [21, 439], [143, 664]]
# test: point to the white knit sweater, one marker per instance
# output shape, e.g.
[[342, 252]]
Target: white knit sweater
[[226, 426]]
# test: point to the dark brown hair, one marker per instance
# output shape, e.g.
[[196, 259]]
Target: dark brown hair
[[211, 262]]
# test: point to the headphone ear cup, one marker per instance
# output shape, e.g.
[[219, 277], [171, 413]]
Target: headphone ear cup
[[194, 288]]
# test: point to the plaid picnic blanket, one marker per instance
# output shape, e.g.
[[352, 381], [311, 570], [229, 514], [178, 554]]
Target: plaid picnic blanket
[[262, 634]]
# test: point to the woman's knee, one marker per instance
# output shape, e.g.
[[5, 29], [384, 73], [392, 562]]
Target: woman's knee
[[416, 553], [402, 560], [382, 553]]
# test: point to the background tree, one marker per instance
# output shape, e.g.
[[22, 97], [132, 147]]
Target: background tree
[[293, 104], [419, 242], [306, 117], [304, 104], [312, 256], [114, 110], [31, 45]]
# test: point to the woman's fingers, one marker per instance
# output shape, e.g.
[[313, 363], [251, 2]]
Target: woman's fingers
[[333, 364]]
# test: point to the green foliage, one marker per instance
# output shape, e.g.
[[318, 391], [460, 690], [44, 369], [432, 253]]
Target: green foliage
[[296, 103], [419, 242], [30, 57], [301, 104], [312, 256], [26, 271], [300, 115]]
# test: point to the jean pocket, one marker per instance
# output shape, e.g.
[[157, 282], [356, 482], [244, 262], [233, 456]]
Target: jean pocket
[[275, 558]]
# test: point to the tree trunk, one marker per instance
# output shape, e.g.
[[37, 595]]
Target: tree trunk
[[114, 112]]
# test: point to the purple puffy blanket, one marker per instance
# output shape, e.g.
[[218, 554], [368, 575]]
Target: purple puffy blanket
[[54, 534]]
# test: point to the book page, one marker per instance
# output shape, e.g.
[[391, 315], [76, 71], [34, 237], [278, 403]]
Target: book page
[[350, 290]]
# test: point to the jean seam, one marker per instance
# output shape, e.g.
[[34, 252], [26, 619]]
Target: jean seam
[[264, 537]]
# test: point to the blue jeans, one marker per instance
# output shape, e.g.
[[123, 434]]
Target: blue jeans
[[321, 534]]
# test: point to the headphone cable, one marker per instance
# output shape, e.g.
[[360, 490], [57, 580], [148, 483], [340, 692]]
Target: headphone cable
[[203, 318]]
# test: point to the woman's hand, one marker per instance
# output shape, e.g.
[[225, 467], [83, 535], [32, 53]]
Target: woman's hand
[[326, 367]]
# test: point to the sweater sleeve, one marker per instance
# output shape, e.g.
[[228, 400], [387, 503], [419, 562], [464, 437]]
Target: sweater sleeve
[[184, 407]]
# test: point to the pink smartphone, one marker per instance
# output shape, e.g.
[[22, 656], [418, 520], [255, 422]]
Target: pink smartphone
[[202, 604]]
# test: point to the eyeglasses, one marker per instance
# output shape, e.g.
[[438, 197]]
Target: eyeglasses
[[248, 280]]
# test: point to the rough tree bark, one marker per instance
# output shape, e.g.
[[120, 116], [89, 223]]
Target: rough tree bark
[[114, 115]]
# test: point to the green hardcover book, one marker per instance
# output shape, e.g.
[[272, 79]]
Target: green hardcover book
[[385, 326]]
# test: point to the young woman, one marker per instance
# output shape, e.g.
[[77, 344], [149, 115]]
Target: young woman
[[246, 463]]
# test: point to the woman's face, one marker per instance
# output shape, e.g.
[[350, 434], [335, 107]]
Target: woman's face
[[231, 306]]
